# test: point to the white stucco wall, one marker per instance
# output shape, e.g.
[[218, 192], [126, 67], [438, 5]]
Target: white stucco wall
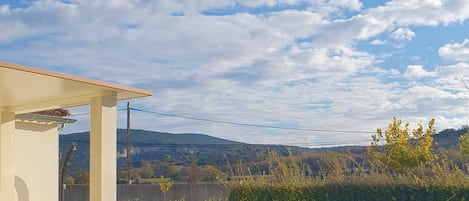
[[36, 161]]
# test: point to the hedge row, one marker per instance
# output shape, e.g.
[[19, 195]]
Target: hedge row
[[350, 193]]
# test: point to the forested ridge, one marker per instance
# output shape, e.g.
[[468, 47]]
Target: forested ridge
[[159, 151]]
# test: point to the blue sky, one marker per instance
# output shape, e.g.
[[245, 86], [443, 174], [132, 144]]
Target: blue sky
[[344, 65]]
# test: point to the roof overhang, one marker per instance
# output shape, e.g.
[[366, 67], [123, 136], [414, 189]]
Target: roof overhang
[[25, 89]]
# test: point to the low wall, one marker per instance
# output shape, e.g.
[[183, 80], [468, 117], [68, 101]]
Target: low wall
[[150, 192]]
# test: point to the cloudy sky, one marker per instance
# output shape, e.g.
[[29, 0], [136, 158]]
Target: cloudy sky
[[318, 65]]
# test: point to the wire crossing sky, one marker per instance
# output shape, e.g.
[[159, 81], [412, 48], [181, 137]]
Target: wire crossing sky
[[346, 65], [250, 125]]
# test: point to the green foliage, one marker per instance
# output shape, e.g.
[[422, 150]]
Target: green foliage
[[288, 180], [82, 178], [69, 180], [147, 170], [212, 174], [464, 143], [174, 149], [399, 152], [361, 192], [173, 171], [165, 184], [156, 180]]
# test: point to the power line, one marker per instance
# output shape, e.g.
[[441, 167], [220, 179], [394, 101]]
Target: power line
[[338, 142], [207, 145], [249, 125], [236, 123]]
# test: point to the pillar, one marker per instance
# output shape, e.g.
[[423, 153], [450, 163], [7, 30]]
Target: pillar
[[7, 159], [103, 148]]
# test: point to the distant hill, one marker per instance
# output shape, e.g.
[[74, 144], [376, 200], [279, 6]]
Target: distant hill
[[143, 137], [181, 149], [448, 138], [188, 148], [445, 139]]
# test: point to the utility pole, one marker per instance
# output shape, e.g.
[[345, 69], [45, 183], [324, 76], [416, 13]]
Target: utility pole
[[128, 143]]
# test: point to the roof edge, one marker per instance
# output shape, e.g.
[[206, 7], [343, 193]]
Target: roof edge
[[74, 78]]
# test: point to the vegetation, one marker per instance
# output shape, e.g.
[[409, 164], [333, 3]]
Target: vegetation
[[402, 164], [291, 180], [464, 146], [396, 149], [171, 155], [165, 185], [406, 170]]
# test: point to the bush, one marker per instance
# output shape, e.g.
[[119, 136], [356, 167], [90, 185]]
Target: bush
[[361, 192], [287, 180]]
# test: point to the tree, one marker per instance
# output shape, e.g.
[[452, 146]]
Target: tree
[[147, 170], [464, 143], [173, 171], [69, 180], [82, 178], [212, 174], [400, 149], [165, 185], [464, 147], [192, 174]]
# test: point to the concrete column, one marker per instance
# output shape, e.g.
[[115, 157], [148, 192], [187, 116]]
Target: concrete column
[[103, 148], [7, 159]]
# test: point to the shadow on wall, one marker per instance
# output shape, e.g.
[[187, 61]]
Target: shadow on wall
[[21, 189]]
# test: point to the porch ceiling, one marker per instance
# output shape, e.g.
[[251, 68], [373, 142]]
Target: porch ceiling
[[25, 89]]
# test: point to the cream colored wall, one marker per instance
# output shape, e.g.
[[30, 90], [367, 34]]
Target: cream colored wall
[[36, 161]]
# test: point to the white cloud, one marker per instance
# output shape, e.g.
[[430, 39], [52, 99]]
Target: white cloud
[[378, 42], [346, 31], [456, 51], [417, 71], [394, 72], [431, 102], [254, 3], [294, 23], [452, 78], [402, 34], [418, 12], [350, 4], [43, 17], [4, 9], [299, 68], [327, 8]]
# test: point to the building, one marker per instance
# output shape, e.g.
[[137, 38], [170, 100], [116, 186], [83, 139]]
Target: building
[[28, 168]]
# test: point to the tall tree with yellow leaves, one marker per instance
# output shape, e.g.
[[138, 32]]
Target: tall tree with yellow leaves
[[399, 149]]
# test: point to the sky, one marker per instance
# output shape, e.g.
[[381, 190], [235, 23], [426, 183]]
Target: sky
[[331, 70]]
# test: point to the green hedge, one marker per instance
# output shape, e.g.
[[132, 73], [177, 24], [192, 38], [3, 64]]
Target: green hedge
[[350, 193]]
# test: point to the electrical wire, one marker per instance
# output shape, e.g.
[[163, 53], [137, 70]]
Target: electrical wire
[[320, 143], [225, 145], [249, 125]]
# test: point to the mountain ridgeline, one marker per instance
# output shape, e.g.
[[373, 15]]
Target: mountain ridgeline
[[188, 148], [179, 149]]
